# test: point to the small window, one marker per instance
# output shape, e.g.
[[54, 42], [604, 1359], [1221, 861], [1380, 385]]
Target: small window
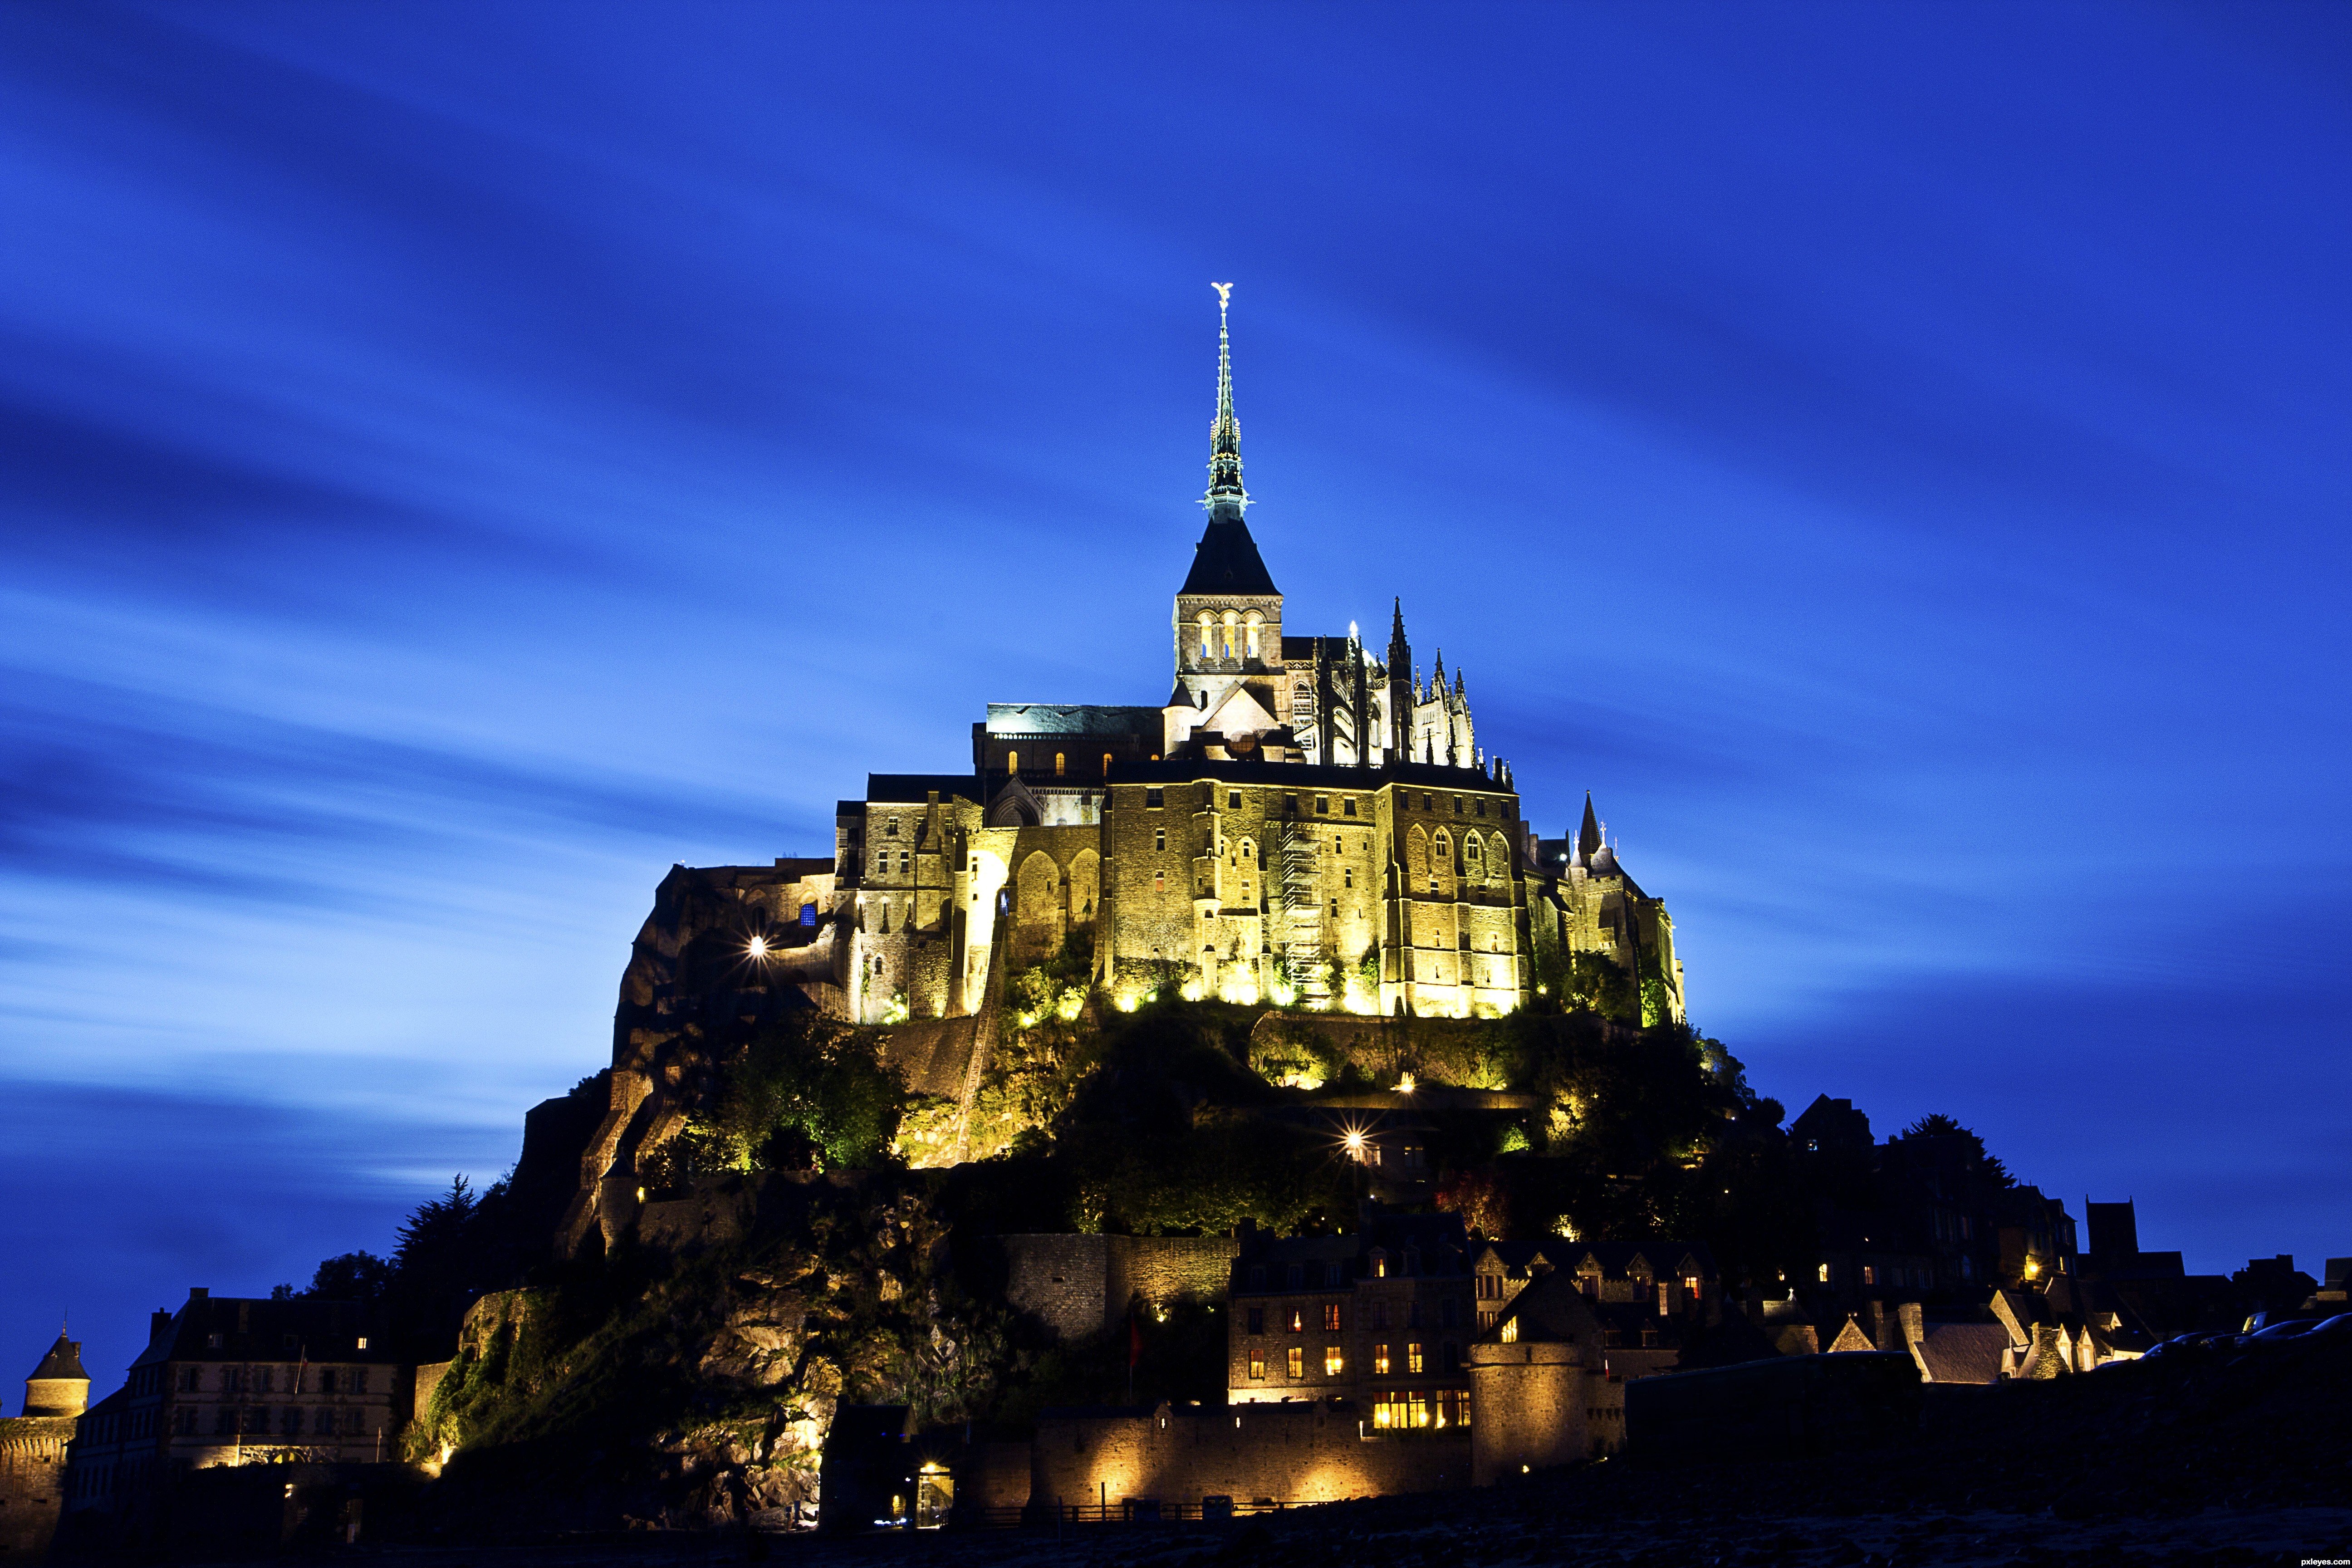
[[1290, 805], [1825, 1273], [808, 914], [1257, 1276], [891, 828], [1105, 765], [1351, 806], [1322, 805], [1330, 1317], [1232, 800], [1258, 1319], [1380, 1312], [1159, 881], [1151, 798], [1449, 1357], [1349, 875], [1413, 1361], [1257, 1364], [1334, 1364], [1295, 1319], [1011, 766], [1335, 909], [1160, 838], [1061, 764], [1482, 808], [1380, 1360], [1297, 1362]]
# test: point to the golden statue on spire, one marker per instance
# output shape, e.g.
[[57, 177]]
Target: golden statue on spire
[[1225, 294]]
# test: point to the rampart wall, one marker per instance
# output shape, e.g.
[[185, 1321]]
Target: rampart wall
[[1081, 1284], [1293, 1453], [32, 1483]]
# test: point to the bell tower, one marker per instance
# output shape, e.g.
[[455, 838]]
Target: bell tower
[[1228, 620]]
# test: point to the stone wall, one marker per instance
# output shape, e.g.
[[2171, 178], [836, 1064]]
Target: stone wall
[[1295, 1453], [32, 1483], [1081, 1284], [1535, 1407]]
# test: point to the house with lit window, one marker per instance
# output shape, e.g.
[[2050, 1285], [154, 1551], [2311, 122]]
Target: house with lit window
[[1379, 1317], [237, 1381]]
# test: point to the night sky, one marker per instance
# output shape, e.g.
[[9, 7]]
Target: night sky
[[456, 461]]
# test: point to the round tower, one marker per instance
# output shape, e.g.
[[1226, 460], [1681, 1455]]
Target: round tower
[[59, 1387]]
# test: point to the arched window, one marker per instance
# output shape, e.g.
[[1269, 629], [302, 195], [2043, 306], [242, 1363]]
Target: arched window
[[1205, 649], [1012, 762], [1250, 630], [1105, 765], [1230, 620], [1058, 763]]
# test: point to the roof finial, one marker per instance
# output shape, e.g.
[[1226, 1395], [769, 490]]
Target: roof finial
[[1225, 492]]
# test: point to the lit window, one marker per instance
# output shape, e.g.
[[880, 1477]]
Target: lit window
[[1869, 1275], [1295, 1317], [1380, 1360], [1257, 1363], [1251, 628], [1159, 881], [1825, 1273], [1205, 649], [1297, 1363], [1330, 1317], [808, 914], [1060, 763], [1011, 766], [1105, 765], [1332, 1360], [1413, 1357]]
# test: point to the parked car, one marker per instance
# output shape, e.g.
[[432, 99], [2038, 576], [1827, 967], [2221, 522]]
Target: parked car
[[2293, 1328]]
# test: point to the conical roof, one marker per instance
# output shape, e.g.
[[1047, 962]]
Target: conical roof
[[1587, 838], [64, 1361]]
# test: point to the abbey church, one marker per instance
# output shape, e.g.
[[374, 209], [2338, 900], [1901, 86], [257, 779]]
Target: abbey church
[[1304, 820]]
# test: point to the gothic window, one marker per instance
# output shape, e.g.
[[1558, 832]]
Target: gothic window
[[808, 914], [1250, 631], [1302, 704], [1416, 858], [1060, 764], [1230, 620], [1011, 766], [1205, 646]]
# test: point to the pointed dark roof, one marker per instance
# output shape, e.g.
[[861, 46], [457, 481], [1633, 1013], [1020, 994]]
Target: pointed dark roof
[[1587, 838], [64, 1360], [1227, 562]]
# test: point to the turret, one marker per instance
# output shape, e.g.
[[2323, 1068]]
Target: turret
[[59, 1387]]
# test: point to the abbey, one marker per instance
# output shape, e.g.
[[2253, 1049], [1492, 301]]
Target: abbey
[[1304, 820]]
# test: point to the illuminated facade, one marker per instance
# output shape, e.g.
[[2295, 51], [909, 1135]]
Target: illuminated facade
[[1303, 821]]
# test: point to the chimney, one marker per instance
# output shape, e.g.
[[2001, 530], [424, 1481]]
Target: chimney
[[198, 1292], [159, 1323]]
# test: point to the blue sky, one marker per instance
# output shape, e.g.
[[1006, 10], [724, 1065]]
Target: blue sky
[[460, 460]]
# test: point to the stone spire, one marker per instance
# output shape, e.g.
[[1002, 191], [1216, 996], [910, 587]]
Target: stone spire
[[1226, 497], [1587, 838]]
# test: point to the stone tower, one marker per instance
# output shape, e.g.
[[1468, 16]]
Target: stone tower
[[1228, 620], [59, 1387]]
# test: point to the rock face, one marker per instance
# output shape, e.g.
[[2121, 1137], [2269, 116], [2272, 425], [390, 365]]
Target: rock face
[[690, 1378], [725, 949]]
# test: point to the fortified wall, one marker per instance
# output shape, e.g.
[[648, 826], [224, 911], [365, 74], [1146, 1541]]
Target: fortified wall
[[32, 1483], [1082, 1285], [1298, 1452]]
